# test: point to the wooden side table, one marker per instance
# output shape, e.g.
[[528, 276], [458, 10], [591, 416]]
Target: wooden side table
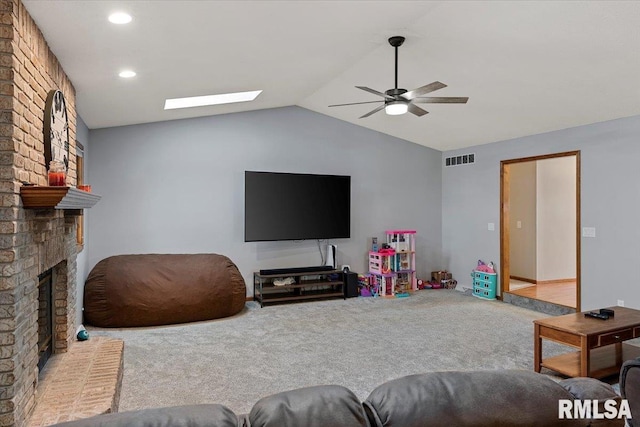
[[600, 343]]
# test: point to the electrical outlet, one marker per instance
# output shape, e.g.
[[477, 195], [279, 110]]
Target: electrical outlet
[[518, 224], [620, 303], [491, 226]]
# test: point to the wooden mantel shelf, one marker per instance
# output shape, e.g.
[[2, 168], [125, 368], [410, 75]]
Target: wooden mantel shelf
[[34, 197]]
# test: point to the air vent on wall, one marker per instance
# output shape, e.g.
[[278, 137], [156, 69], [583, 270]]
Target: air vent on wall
[[464, 159]]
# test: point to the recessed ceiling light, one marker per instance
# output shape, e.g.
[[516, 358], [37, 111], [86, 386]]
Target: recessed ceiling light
[[120, 18], [199, 101], [127, 74]]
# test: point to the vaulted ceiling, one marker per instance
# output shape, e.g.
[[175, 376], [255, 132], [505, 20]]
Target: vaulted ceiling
[[527, 67]]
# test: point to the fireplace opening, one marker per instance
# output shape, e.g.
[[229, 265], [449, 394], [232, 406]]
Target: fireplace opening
[[45, 317]]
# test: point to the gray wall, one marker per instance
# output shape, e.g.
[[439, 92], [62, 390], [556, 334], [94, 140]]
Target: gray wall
[[82, 136], [178, 186], [610, 190]]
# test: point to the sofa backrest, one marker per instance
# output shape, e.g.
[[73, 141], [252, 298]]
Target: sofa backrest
[[478, 399], [630, 389], [487, 398], [209, 415], [319, 406]]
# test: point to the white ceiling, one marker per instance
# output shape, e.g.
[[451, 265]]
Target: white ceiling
[[527, 67]]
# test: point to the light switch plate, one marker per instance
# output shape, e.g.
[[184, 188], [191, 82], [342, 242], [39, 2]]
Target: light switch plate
[[491, 226], [588, 232], [518, 224]]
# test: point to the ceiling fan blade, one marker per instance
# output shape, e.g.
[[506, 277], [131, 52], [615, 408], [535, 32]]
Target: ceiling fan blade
[[442, 100], [375, 92], [423, 90], [373, 111], [414, 109], [355, 103]]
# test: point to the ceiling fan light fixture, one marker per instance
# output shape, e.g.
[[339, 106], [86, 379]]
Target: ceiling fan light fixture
[[396, 108]]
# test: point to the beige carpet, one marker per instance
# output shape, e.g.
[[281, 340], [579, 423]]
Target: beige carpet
[[358, 343]]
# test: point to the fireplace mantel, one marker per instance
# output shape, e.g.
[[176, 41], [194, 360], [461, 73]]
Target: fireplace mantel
[[36, 197]]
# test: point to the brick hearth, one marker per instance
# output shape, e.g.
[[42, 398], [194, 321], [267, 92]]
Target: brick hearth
[[81, 383]]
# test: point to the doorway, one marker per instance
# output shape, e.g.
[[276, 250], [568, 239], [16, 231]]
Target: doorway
[[540, 228]]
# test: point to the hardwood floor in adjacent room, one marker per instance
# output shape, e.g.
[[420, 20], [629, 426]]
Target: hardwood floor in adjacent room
[[562, 293]]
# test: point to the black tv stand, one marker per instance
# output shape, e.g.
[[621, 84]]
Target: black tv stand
[[294, 270], [310, 283]]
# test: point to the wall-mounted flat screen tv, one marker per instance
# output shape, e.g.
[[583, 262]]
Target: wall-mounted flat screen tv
[[293, 206]]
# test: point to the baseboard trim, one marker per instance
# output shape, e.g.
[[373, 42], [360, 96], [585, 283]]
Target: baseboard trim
[[524, 279], [546, 282], [541, 282], [249, 298]]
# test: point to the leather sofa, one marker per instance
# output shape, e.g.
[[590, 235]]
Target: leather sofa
[[630, 388], [485, 398]]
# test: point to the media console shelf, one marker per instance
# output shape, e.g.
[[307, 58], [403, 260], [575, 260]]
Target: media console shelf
[[307, 285]]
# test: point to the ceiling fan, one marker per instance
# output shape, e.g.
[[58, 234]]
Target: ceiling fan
[[398, 101]]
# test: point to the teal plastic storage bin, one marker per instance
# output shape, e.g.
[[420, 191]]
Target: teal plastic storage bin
[[487, 277], [485, 284]]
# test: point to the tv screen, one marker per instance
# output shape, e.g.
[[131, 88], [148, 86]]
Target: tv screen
[[292, 206]]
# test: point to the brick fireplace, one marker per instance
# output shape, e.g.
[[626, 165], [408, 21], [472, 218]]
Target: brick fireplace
[[31, 241]]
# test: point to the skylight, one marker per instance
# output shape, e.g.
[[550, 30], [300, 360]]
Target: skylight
[[120, 18], [200, 101]]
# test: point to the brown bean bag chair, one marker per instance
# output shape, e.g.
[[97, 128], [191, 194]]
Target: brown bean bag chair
[[162, 289]]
